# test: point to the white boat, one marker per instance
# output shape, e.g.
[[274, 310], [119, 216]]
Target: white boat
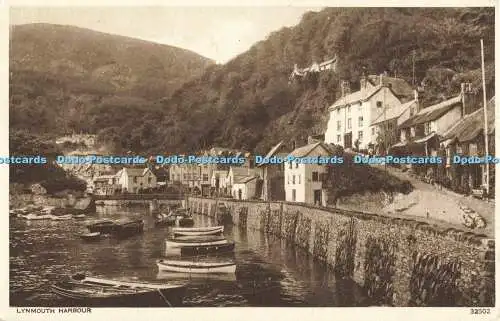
[[172, 244], [32, 217], [79, 216], [62, 217], [196, 267], [48, 209], [198, 231]]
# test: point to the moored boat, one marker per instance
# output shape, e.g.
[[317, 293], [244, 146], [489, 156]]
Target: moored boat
[[198, 231], [200, 242], [32, 217], [185, 221], [102, 226], [165, 220], [103, 292], [95, 236], [205, 249], [196, 267], [128, 228], [61, 217], [79, 216]]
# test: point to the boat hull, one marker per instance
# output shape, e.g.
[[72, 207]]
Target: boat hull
[[200, 250], [153, 298], [179, 244], [185, 267]]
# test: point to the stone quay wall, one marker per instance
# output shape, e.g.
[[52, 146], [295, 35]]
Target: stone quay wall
[[399, 262]]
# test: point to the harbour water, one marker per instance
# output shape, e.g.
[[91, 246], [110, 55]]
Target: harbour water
[[269, 272]]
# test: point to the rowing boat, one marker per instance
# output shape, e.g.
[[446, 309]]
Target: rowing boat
[[91, 236], [104, 292], [196, 267], [198, 231], [205, 249]]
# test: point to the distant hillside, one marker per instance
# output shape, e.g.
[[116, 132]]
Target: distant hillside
[[59, 72], [249, 102]]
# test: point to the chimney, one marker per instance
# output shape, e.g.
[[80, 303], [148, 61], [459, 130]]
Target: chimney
[[415, 95], [345, 87], [380, 80], [470, 99], [362, 82]]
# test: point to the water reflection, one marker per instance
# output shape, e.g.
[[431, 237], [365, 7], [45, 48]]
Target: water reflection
[[270, 271]]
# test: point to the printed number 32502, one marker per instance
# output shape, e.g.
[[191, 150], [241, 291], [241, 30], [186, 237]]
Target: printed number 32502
[[480, 311]]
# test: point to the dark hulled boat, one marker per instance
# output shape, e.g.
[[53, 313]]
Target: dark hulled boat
[[205, 249], [128, 228], [89, 291], [102, 226], [186, 222]]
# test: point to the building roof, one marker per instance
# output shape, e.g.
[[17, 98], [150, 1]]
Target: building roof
[[399, 86], [135, 171], [244, 179], [241, 171], [394, 112], [357, 96], [307, 149], [432, 112], [274, 151], [472, 125]]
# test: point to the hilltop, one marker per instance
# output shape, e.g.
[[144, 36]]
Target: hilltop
[[58, 73]]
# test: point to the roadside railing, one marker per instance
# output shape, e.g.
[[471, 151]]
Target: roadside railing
[[159, 196]]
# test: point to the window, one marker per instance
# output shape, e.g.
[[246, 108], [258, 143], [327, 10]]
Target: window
[[297, 165], [338, 110], [290, 165], [205, 177], [315, 176], [427, 128], [348, 109], [338, 138], [293, 179], [349, 123], [185, 176], [373, 131], [360, 121], [294, 195], [298, 178], [379, 104], [135, 179], [149, 180], [338, 125], [360, 107], [360, 135]]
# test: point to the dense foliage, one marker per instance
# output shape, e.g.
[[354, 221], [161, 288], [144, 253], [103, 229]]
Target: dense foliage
[[51, 176], [249, 102]]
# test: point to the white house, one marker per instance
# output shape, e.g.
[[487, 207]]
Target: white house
[[304, 182], [244, 187], [351, 116], [134, 179], [237, 173]]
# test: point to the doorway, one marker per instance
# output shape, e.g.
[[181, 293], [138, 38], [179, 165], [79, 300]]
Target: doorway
[[317, 197]]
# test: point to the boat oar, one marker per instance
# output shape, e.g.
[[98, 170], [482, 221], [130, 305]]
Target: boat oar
[[164, 298]]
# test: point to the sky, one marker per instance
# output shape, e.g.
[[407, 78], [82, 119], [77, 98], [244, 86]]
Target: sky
[[219, 33]]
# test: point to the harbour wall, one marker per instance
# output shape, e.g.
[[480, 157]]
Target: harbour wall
[[399, 262]]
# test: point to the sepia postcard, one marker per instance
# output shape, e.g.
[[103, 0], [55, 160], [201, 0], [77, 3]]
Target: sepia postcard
[[317, 160]]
